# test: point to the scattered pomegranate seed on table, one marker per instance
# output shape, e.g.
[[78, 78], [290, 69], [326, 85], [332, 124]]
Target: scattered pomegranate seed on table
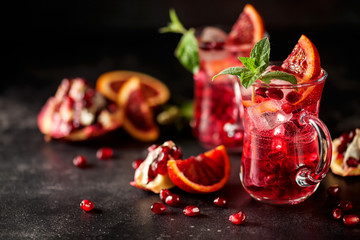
[[80, 161], [345, 205], [351, 220], [191, 211], [238, 218], [158, 208], [135, 164], [86, 205], [104, 153], [163, 194], [337, 213], [172, 200], [220, 201], [334, 190]]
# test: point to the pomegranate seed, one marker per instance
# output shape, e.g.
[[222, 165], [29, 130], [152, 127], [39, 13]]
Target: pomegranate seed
[[135, 164], [104, 153], [344, 138], [345, 205], [351, 135], [220, 201], [238, 218], [275, 93], [287, 108], [342, 147], [351, 220], [173, 200], [153, 147], [161, 168], [176, 152], [191, 211], [334, 190], [352, 162], [86, 205], [337, 213], [261, 92], [158, 208], [205, 46], [79, 161], [218, 45], [164, 193], [293, 97]]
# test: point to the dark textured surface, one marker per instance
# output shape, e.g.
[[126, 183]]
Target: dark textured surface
[[40, 189]]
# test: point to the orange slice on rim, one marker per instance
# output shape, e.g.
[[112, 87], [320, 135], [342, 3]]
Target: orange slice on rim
[[304, 60], [248, 29], [154, 91], [138, 116], [204, 173]]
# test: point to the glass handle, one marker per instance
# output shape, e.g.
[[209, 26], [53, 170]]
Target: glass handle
[[305, 177]]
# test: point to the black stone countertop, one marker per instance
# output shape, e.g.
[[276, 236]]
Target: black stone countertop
[[40, 189]]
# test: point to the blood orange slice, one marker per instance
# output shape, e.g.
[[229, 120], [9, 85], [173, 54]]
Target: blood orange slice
[[304, 60], [155, 92], [138, 116], [248, 29], [204, 173]]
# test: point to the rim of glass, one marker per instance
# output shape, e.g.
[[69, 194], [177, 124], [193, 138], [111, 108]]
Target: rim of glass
[[306, 84]]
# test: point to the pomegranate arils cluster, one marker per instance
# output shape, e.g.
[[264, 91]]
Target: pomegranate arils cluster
[[86, 205], [238, 218], [350, 220], [158, 208], [159, 165], [345, 140], [352, 162]]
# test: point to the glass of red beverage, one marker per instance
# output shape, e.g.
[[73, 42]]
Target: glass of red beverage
[[287, 148], [217, 105]]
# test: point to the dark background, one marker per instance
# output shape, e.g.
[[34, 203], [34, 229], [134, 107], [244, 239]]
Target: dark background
[[46, 41]]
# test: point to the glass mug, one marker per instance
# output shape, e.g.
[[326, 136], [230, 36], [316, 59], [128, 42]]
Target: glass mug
[[217, 117], [287, 148]]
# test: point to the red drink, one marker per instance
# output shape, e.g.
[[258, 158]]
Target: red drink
[[281, 143], [217, 110]]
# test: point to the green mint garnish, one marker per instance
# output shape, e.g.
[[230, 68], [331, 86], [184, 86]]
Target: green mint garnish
[[187, 49], [255, 66]]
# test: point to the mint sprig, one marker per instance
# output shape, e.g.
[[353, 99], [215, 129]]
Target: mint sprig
[[187, 49], [255, 66]]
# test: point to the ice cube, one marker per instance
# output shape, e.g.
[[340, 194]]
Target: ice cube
[[268, 115], [213, 34]]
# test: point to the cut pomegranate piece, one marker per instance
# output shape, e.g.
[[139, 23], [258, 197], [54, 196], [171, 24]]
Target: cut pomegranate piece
[[158, 208]]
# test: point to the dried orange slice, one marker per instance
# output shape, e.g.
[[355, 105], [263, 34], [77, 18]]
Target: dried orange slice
[[204, 173], [248, 29], [154, 91], [304, 60], [138, 116]]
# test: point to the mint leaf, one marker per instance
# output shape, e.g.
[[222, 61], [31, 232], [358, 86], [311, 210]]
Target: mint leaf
[[267, 77], [261, 54], [187, 51], [236, 71], [248, 78], [249, 63], [174, 26]]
